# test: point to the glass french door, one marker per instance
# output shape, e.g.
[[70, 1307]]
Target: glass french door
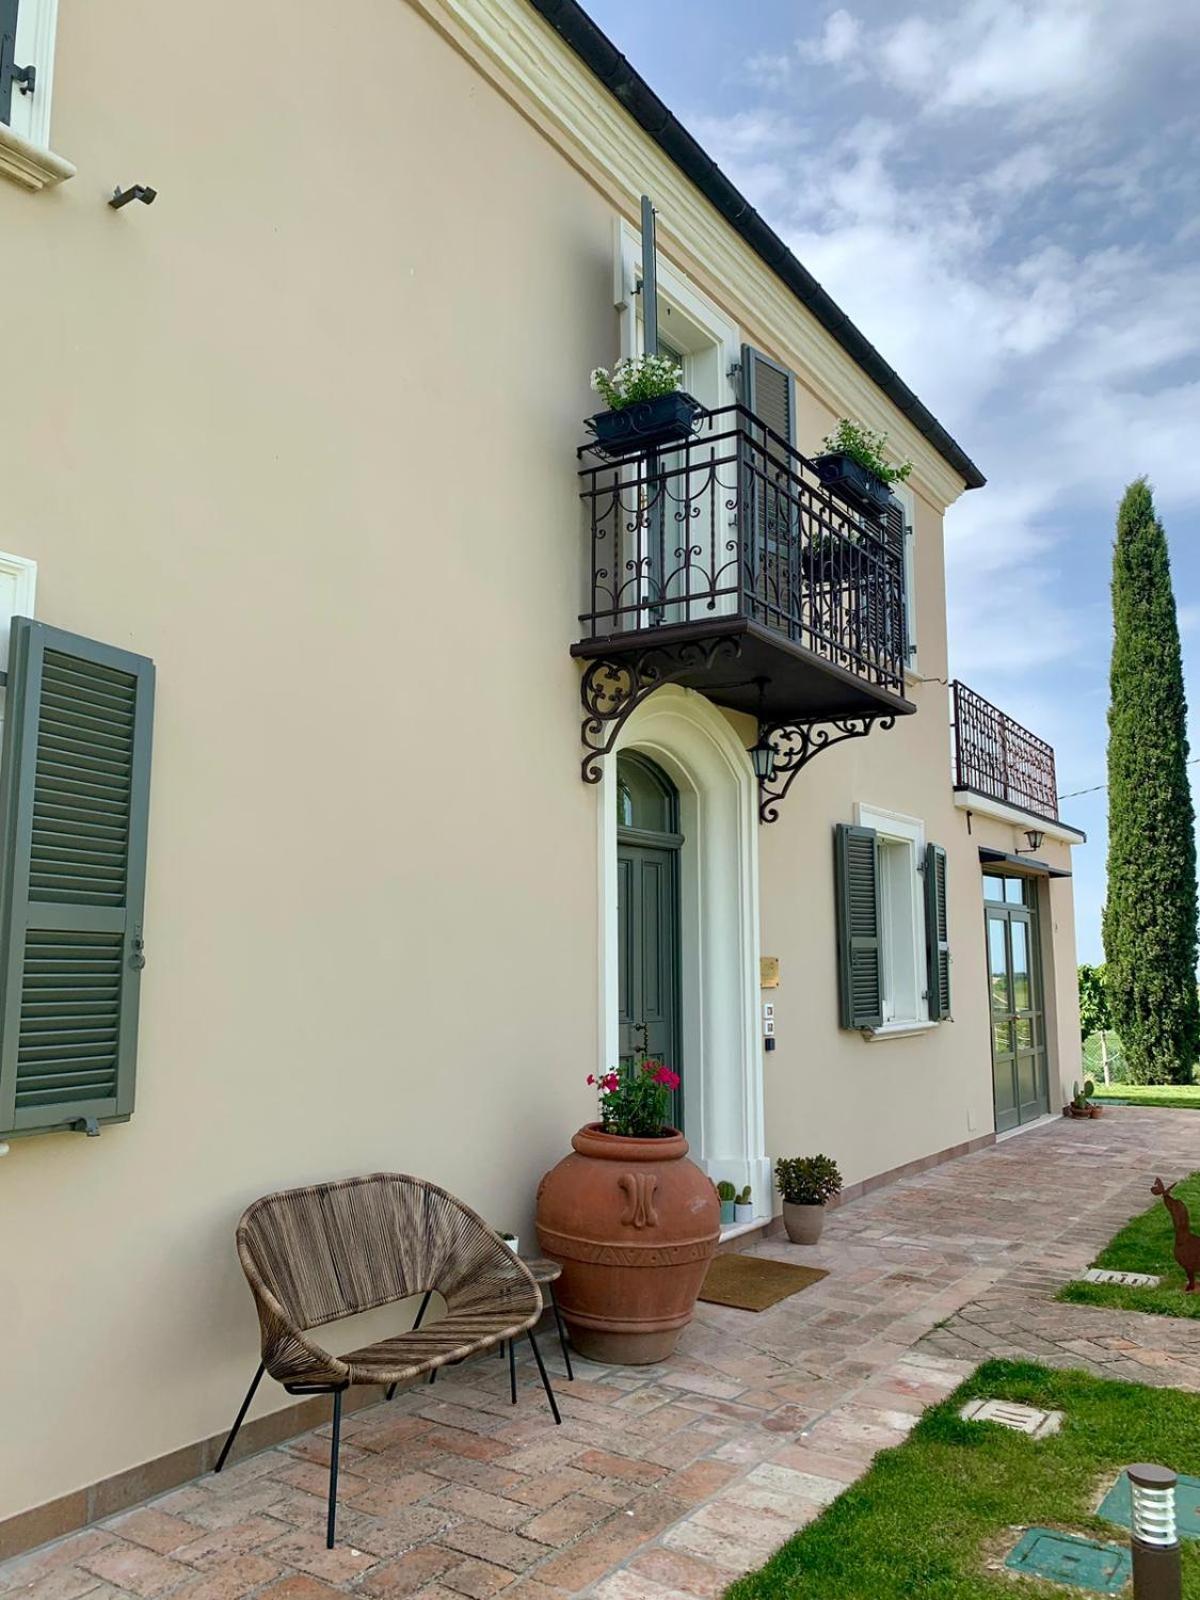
[[1019, 1073]]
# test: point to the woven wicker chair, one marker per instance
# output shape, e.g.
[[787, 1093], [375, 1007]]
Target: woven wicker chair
[[315, 1255]]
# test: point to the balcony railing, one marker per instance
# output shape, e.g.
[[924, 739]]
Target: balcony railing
[[997, 757], [732, 530]]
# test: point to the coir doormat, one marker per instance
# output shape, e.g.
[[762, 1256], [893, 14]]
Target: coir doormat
[[752, 1283]]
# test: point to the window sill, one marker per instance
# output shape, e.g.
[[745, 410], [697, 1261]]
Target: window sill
[[28, 165], [897, 1030]]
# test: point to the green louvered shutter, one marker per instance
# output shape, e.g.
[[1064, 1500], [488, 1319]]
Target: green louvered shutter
[[8, 55], [937, 935], [860, 978], [74, 793]]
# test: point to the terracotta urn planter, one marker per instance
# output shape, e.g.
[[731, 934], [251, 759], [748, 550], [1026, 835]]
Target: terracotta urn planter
[[633, 1224], [804, 1224]]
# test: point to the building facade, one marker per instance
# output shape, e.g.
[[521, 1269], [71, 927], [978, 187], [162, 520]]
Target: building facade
[[420, 849]]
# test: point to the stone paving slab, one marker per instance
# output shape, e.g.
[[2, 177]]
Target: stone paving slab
[[669, 1481]]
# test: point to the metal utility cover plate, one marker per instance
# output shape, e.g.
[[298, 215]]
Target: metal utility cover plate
[[1066, 1558], [1116, 1505], [1021, 1419], [1133, 1280]]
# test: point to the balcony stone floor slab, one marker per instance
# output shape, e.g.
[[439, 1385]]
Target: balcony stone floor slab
[[665, 1483]]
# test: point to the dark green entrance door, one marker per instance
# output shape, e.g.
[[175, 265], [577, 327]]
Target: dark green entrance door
[[648, 845], [1014, 977]]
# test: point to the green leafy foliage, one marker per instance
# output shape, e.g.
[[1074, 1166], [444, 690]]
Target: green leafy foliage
[[1145, 1245], [807, 1180], [635, 1098], [636, 378], [1093, 1001], [1150, 918], [867, 448], [929, 1513]]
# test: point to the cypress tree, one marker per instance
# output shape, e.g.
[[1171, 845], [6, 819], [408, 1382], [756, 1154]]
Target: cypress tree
[[1150, 916]]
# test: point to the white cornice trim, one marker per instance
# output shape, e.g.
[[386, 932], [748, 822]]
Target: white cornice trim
[[985, 806], [26, 164], [540, 74]]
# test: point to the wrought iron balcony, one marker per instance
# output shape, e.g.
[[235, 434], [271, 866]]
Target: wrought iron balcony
[[722, 563], [996, 757]]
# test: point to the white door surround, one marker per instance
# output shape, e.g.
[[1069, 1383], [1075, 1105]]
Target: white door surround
[[722, 1052]]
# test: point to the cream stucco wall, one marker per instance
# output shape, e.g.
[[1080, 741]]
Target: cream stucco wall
[[303, 432]]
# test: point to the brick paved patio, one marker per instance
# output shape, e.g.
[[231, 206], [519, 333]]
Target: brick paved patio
[[664, 1483]]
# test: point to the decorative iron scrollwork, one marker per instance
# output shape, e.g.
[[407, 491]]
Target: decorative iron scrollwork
[[796, 743], [614, 686]]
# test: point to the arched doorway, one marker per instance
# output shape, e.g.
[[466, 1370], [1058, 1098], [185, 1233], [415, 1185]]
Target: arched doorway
[[691, 765], [648, 954]]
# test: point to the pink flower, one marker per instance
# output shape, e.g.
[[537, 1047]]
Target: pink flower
[[591, 1078], [610, 1082], [668, 1079]]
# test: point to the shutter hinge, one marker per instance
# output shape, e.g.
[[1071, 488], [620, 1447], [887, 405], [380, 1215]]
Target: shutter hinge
[[26, 77], [137, 954], [734, 374], [87, 1125]]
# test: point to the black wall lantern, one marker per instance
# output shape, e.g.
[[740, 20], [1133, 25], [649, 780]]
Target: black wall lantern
[[1033, 838], [762, 752]]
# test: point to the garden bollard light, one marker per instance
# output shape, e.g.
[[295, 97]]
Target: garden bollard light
[[1156, 1568]]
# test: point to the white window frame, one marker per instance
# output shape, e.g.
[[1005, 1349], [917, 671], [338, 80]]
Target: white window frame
[[25, 153], [908, 501], [18, 591], [710, 342], [902, 940]]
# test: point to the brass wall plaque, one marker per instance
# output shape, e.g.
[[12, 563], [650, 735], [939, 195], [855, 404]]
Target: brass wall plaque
[[769, 972]]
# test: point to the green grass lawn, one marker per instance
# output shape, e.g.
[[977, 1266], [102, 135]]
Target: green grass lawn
[[928, 1513], [1144, 1245], [1175, 1095]]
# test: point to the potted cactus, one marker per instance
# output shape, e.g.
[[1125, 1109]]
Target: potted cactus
[[806, 1184], [727, 1195], [743, 1209], [1081, 1103]]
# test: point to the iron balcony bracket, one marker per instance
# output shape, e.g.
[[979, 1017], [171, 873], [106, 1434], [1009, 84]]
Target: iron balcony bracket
[[795, 744], [613, 687]]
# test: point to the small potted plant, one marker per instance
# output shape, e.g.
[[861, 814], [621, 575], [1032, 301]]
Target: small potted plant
[[853, 466], [743, 1210], [647, 410], [727, 1195], [806, 1184], [1081, 1103]]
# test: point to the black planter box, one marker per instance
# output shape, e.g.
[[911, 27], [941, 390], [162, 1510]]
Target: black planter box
[[851, 481], [646, 425]]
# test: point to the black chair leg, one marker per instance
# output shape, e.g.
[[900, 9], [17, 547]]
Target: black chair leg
[[433, 1372], [562, 1334], [416, 1324], [512, 1369], [241, 1417], [335, 1445], [541, 1366]]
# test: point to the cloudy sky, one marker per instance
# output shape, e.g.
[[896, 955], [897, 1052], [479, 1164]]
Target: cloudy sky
[[1005, 197]]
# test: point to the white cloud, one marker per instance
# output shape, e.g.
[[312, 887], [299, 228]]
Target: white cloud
[[840, 42]]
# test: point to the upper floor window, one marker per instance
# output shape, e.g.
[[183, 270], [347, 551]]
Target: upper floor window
[[27, 29]]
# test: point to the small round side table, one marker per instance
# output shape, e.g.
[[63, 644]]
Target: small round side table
[[546, 1274]]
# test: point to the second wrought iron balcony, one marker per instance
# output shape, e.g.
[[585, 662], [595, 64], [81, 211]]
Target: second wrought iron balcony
[[721, 562]]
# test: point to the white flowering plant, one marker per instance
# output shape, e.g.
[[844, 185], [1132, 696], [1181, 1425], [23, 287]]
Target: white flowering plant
[[637, 378], [858, 442]]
